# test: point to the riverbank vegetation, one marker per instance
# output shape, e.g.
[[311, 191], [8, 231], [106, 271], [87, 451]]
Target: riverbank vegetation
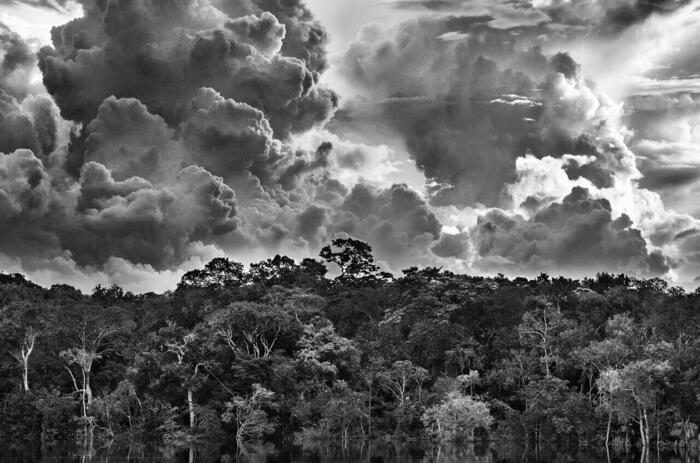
[[283, 351]]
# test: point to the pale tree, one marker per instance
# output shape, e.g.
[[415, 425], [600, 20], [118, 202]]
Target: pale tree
[[606, 355], [20, 327], [25, 351], [539, 328], [457, 418], [402, 378], [469, 380], [249, 414], [89, 330], [632, 391], [181, 345], [249, 329]]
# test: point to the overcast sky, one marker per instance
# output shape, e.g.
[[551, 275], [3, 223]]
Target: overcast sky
[[143, 138]]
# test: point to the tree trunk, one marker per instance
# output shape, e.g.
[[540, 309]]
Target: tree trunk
[[25, 351], [369, 412], [641, 430], [190, 404], [88, 389], [25, 372], [83, 395], [646, 427]]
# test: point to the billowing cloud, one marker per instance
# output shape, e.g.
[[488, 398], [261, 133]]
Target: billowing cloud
[[168, 133], [579, 235], [162, 54], [396, 220], [467, 109], [18, 63], [136, 221]]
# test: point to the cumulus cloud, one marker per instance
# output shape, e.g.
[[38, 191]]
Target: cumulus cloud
[[494, 118], [467, 109], [162, 54], [167, 134], [18, 63], [143, 224], [396, 220], [578, 235], [167, 107]]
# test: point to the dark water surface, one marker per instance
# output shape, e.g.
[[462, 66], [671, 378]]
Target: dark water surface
[[330, 453]]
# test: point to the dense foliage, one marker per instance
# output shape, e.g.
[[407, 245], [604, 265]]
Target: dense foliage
[[282, 351]]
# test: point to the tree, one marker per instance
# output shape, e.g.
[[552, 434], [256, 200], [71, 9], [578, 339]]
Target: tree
[[249, 415], [354, 258], [25, 351], [273, 271], [539, 329], [633, 391], [403, 377], [20, 326], [323, 356], [218, 273], [89, 331], [251, 328], [457, 418], [182, 347]]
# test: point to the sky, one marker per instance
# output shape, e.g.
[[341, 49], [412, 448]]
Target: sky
[[140, 139]]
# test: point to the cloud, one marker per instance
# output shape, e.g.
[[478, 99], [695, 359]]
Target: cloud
[[167, 134], [162, 55], [606, 15], [18, 63], [130, 141], [467, 109], [396, 220], [24, 186], [226, 137], [57, 5], [578, 235], [144, 224]]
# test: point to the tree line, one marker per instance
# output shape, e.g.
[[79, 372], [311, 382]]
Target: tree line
[[281, 350]]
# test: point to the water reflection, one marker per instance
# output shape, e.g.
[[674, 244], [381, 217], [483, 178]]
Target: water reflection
[[328, 452]]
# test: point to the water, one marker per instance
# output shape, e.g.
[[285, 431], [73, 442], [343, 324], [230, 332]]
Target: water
[[328, 453]]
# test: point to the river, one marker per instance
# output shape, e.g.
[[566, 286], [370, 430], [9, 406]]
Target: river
[[383, 452]]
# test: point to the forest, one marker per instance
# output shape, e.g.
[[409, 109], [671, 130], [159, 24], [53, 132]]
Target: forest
[[281, 350]]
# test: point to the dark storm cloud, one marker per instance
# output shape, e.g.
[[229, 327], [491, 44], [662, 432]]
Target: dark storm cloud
[[32, 124], [440, 97], [290, 176], [226, 137], [670, 177], [141, 223], [306, 38], [162, 54], [578, 234], [310, 222], [456, 246], [177, 103], [467, 109], [396, 220], [130, 141]]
